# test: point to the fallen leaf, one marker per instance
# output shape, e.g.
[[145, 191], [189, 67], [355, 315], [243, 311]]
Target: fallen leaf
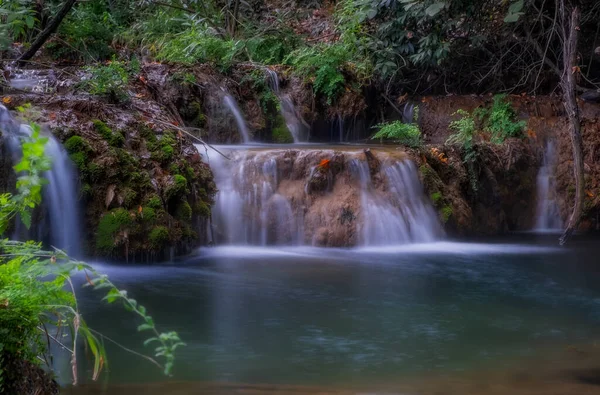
[[6, 100]]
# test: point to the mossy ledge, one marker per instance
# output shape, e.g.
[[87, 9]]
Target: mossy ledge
[[146, 190]]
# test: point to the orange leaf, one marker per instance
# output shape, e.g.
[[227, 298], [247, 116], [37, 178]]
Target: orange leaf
[[6, 100], [589, 194], [324, 164]]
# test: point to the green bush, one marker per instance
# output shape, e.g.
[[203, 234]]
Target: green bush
[[114, 139], [109, 80], [178, 188], [86, 33], [465, 137], [202, 209], [501, 120], [403, 133]]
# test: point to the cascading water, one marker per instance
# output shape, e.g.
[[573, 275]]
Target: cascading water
[[547, 212], [247, 209], [59, 195], [239, 118], [400, 217], [295, 124], [264, 199]]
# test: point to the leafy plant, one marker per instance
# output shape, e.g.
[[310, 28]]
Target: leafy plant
[[323, 65], [465, 137], [501, 120], [36, 291], [407, 134], [109, 80]]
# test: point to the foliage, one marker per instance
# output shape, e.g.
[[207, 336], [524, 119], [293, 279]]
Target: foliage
[[403, 133], [86, 33], [465, 137], [113, 224], [446, 213], [501, 120], [109, 80], [16, 20], [158, 238], [436, 197], [323, 65], [36, 291], [115, 139]]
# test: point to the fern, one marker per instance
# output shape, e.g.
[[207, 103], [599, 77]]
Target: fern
[[403, 133]]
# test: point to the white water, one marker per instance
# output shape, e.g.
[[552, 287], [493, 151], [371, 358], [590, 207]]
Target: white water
[[294, 122], [59, 195], [547, 212], [252, 209], [239, 118], [404, 216]]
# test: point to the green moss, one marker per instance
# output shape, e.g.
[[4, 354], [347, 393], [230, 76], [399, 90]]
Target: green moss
[[86, 191], [76, 144], [158, 237], [202, 209], [110, 225], [184, 211], [148, 134], [80, 160], [154, 202], [167, 153], [436, 197], [129, 196], [115, 139], [103, 129], [94, 172], [178, 188], [446, 213], [280, 132], [148, 215]]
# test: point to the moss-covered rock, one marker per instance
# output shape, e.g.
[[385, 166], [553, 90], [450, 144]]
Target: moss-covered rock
[[280, 132], [158, 237], [112, 229]]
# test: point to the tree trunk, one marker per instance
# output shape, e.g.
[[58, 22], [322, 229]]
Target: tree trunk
[[570, 32], [47, 32]]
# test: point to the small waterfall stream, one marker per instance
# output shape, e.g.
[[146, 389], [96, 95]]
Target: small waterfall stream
[[230, 103], [547, 211], [404, 215], [59, 195], [261, 201], [294, 122]]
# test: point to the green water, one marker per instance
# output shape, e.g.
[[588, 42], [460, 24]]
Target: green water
[[357, 317]]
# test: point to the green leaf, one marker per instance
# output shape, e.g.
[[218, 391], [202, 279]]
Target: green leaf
[[435, 8], [516, 7], [512, 18], [144, 327]]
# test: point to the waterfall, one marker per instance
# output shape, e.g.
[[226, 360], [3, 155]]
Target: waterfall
[[59, 195], [247, 209], [264, 199], [239, 118], [294, 122], [402, 216], [547, 211]]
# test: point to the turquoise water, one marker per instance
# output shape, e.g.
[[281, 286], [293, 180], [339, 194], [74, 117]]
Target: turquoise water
[[331, 317]]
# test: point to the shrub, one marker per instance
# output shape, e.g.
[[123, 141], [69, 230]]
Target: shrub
[[108, 80], [202, 209], [465, 137], [178, 188], [154, 202], [403, 133], [502, 121]]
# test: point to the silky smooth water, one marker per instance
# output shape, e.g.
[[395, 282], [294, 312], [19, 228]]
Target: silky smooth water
[[345, 317]]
